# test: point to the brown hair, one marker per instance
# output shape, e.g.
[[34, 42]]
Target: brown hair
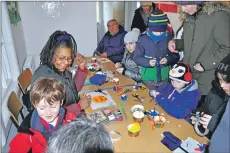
[[49, 89], [112, 20]]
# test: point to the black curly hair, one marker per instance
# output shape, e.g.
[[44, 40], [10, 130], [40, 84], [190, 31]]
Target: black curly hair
[[56, 40]]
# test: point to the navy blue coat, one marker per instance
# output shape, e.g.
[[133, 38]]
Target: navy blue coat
[[113, 45]]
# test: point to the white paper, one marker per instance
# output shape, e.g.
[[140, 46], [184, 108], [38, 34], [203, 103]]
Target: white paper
[[109, 103], [189, 145]]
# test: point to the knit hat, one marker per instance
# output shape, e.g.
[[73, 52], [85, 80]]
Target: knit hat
[[142, 3], [132, 36], [224, 66], [189, 2], [158, 21], [181, 72]]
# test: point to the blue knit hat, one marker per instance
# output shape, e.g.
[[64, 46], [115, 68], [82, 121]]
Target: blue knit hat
[[158, 21], [189, 2]]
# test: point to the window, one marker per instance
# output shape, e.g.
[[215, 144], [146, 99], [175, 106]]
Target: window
[[138, 4], [9, 69]]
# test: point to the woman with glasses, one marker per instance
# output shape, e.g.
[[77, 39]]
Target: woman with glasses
[[56, 58]]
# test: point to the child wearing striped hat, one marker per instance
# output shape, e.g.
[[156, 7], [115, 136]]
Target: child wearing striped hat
[[152, 53]]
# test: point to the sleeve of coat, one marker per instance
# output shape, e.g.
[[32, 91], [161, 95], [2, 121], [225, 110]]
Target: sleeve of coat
[[134, 22], [79, 78], [123, 60], [221, 34], [179, 44], [214, 122], [21, 143], [134, 75], [139, 58], [178, 111], [100, 46], [73, 108]]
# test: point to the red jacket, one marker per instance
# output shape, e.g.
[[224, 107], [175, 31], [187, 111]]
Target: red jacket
[[30, 140]]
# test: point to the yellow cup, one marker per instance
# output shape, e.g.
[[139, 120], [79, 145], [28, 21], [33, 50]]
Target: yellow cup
[[134, 129]]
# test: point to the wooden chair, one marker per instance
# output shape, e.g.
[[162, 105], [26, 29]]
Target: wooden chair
[[15, 107], [25, 79]]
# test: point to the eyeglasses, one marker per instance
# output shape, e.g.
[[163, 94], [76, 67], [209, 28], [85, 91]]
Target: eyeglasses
[[63, 58]]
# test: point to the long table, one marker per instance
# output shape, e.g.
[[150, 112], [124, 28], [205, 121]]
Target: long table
[[149, 140]]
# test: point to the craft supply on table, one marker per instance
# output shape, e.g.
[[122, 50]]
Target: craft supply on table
[[113, 114], [159, 121], [115, 135], [138, 98], [191, 145], [116, 81], [134, 129], [138, 116], [151, 114], [137, 108], [122, 108], [135, 87], [93, 59], [99, 117], [126, 91], [98, 79], [100, 100], [124, 97], [100, 90]]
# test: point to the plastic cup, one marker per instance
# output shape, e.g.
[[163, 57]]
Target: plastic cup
[[159, 121], [116, 81], [134, 129], [138, 116]]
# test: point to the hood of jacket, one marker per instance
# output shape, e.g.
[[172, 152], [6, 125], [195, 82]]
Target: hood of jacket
[[215, 6], [191, 87]]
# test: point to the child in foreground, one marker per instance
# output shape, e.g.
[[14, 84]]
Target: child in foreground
[[47, 96]]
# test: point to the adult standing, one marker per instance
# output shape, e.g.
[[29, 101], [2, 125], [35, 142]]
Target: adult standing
[[141, 16], [205, 39]]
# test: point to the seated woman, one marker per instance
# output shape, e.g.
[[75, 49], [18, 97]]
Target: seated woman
[[81, 136], [55, 60]]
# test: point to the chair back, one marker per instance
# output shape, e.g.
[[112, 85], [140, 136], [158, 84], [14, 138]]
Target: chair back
[[25, 79], [15, 106]]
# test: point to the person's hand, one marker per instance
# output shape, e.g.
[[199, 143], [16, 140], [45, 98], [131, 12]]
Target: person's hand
[[193, 118], [104, 54], [81, 61], [118, 65], [205, 119], [152, 62], [154, 93], [172, 46], [163, 61], [120, 70], [198, 67], [85, 101]]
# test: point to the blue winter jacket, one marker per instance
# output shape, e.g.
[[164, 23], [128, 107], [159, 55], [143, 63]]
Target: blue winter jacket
[[113, 45], [178, 104]]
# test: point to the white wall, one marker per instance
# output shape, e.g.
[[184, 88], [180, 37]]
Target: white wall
[[77, 18]]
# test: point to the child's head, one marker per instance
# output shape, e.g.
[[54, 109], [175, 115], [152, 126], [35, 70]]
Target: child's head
[[223, 74], [158, 22], [131, 38], [47, 96], [59, 51], [180, 75]]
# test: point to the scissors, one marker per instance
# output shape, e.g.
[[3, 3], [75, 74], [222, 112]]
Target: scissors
[[137, 97], [126, 91], [99, 90]]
